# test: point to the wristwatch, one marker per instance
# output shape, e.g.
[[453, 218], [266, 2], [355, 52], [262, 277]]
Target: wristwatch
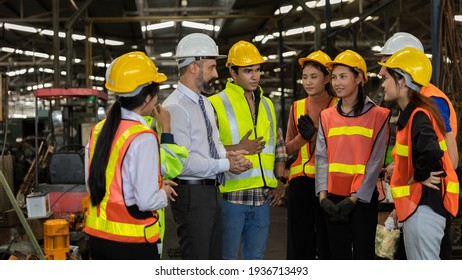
[[282, 179]]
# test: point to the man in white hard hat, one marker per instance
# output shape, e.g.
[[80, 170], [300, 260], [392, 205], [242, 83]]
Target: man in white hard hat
[[397, 42], [197, 210]]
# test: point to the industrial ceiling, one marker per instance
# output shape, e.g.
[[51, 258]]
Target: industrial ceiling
[[282, 30]]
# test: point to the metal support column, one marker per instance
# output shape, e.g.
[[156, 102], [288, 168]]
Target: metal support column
[[435, 26], [281, 76]]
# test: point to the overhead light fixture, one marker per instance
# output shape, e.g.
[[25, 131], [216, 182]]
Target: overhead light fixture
[[283, 10], [61, 34], [18, 27], [157, 26], [376, 49], [201, 26], [167, 54]]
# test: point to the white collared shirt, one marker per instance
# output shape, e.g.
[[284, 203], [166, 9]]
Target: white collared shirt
[[188, 127]]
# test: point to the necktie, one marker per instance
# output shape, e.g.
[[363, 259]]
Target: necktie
[[212, 148]]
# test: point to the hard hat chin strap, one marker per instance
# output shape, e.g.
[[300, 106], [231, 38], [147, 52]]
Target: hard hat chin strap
[[408, 80]]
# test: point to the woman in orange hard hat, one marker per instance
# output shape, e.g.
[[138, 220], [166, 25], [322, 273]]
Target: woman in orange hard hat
[[424, 184], [123, 165], [350, 147], [306, 234]]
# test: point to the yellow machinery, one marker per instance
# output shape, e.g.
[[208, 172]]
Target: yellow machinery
[[56, 239]]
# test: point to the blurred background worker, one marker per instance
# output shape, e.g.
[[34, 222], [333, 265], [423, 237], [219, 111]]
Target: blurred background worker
[[350, 148], [247, 121], [422, 198], [123, 165], [397, 42], [306, 230], [197, 210]]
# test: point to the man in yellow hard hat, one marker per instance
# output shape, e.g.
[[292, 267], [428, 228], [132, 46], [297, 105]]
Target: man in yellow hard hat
[[247, 121]]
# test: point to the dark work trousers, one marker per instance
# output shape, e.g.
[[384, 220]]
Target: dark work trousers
[[197, 214], [103, 249], [356, 238], [306, 227]]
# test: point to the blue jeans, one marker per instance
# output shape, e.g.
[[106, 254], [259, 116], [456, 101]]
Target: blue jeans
[[249, 223], [423, 232]]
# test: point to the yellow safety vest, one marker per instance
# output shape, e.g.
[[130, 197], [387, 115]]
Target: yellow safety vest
[[235, 120]]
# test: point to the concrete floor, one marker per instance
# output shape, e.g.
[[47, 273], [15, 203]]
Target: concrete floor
[[275, 249]]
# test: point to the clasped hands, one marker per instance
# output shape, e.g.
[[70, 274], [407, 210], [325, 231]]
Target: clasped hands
[[237, 162], [339, 212]]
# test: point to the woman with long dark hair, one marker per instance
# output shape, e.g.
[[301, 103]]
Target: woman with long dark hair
[[424, 184], [123, 165]]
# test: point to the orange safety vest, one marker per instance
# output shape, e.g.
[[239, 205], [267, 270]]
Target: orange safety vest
[[304, 164], [407, 197], [430, 91], [349, 142], [111, 219]]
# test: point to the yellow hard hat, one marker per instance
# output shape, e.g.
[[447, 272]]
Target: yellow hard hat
[[317, 56], [244, 53], [352, 59], [128, 72], [412, 62]]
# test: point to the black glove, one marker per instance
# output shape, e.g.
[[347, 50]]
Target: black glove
[[329, 207], [344, 209], [306, 127]]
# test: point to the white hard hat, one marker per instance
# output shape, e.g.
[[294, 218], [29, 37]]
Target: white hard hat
[[399, 41], [196, 46]]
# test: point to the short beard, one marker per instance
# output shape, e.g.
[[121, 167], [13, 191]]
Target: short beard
[[203, 85]]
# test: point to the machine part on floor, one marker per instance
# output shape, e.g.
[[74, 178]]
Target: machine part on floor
[[56, 239], [76, 221], [24, 223]]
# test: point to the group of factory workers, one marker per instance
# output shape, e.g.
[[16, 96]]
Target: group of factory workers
[[220, 158]]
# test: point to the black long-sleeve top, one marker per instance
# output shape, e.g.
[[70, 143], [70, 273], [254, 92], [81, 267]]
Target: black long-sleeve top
[[426, 154]]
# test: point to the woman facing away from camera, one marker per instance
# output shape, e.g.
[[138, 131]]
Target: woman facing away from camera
[[123, 165]]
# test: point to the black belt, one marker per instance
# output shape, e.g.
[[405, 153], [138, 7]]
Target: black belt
[[202, 182]]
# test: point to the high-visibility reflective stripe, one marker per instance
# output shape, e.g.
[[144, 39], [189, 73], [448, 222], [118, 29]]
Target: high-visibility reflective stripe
[[351, 130], [401, 191], [401, 150], [309, 169], [269, 148], [347, 168], [453, 187], [122, 228], [443, 146], [235, 137], [253, 172], [300, 110]]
